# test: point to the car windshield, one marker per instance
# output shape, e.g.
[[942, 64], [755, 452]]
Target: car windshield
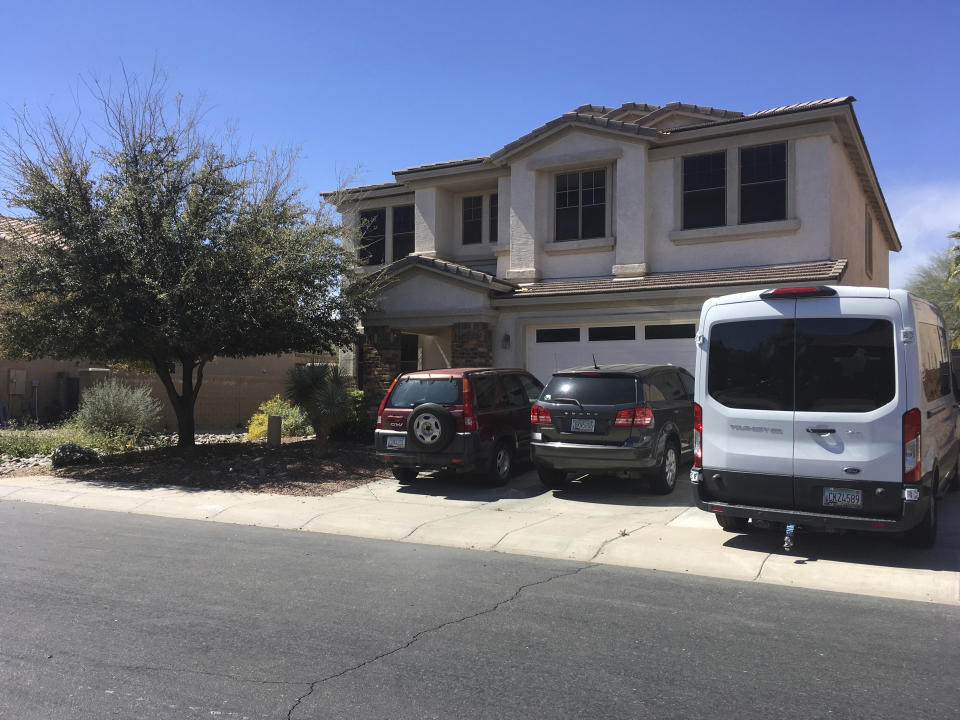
[[591, 390], [410, 392]]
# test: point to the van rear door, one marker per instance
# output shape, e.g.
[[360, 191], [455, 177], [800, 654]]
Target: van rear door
[[848, 422], [748, 402]]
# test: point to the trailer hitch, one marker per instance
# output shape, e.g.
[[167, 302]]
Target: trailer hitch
[[788, 541]]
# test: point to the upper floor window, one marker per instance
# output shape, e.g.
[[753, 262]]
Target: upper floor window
[[705, 190], [494, 217], [763, 183], [403, 237], [473, 220], [581, 205], [373, 233]]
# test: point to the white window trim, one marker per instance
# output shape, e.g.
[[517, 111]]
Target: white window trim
[[552, 245]]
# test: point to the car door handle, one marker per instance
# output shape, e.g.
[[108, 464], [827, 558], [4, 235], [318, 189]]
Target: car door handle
[[821, 431]]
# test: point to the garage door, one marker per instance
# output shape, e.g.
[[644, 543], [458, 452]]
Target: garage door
[[554, 347]]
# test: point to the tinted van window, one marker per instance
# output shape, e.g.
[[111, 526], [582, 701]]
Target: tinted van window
[[592, 390], [751, 364], [844, 364], [410, 392]]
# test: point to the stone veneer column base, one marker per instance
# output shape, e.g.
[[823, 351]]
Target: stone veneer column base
[[472, 345], [381, 362]]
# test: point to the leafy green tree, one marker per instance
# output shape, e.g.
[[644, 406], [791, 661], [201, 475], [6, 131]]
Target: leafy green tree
[[160, 243], [936, 281], [321, 392]]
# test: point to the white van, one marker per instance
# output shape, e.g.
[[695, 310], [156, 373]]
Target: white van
[[824, 407]]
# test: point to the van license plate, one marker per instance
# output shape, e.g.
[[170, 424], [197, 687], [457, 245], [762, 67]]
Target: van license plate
[[582, 425], [396, 442], [838, 497]]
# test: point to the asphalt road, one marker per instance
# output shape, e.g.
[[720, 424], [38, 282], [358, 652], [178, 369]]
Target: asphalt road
[[108, 615]]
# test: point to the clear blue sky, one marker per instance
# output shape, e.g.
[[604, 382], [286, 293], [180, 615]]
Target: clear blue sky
[[386, 85]]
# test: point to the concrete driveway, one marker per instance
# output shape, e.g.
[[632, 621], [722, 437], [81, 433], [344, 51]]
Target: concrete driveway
[[599, 521]]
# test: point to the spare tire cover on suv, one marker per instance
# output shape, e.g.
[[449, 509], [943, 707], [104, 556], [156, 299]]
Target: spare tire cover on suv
[[430, 427]]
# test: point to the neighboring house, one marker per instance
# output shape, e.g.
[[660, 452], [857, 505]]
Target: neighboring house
[[232, 389], [601, 233]]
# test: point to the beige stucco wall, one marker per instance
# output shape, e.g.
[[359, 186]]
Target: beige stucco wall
[[848, 207]]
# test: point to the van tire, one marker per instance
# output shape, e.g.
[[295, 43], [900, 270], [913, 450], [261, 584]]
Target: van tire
[[501, 464], [551, 478], [924, 535], [731, 523], [668, 470], [955, 480], [405, 475]]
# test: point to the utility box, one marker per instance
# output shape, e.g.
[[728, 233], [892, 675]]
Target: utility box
[[16, 382]]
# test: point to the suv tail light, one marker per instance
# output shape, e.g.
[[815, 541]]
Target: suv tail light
[[911, 446], [383, 403], [638, 416], [469, 414], [540, 415], [697, 436]]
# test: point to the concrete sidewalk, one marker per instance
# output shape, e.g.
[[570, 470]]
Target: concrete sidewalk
[[599, 522]]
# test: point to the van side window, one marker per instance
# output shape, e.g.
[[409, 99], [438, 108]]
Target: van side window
[[751, 364], [845, 364], [934, 363]]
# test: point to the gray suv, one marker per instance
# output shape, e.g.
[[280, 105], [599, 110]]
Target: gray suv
[[633, 421]]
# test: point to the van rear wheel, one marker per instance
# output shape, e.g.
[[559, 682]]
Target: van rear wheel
[[731, 523]]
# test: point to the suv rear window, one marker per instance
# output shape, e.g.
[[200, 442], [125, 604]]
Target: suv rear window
[[827, 364], [410, 392], [592, 390]]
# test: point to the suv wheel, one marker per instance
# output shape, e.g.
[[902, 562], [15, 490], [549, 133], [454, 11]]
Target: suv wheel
[[924, 535], [666, 478], [552, 479], [405, 475], [731, 523], [500, 464], [430, 427]]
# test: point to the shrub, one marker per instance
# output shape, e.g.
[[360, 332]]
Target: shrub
[[72, 454], [124, 415], [321, 392], [39, 441], [293, 422], [359, 425]]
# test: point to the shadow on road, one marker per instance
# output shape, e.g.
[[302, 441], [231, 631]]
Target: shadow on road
[[864, 548]]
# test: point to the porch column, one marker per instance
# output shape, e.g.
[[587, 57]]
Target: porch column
[[381, 362], [472, 345]]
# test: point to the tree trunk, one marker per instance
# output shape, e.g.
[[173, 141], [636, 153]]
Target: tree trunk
[[183, 402]]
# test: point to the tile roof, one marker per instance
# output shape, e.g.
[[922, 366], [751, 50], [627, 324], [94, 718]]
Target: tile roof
[[822, 271], [366, 189], [449, 267], [772, 112], [442, 165]]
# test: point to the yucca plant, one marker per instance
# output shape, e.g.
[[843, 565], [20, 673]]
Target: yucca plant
[[321, 392]]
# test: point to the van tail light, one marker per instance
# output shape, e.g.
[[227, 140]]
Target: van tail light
[[383, 404], [469, 414], [539, 415], [911, 446], [798, 292], [638, 417], [697, 437]]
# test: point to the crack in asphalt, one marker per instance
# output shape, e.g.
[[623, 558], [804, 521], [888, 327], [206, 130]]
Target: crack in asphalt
[[441, 626]]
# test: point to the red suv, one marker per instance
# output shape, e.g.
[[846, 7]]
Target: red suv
[[468, 419]]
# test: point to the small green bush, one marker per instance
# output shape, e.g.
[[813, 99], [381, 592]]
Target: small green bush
[[359, 425], [72, 454], [293, 423], [40, 441], [121, 415]]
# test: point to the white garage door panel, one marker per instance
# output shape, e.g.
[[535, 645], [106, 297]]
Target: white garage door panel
[[543, 359]]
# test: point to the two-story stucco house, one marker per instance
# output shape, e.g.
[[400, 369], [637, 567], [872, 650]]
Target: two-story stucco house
[[601, 233]]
